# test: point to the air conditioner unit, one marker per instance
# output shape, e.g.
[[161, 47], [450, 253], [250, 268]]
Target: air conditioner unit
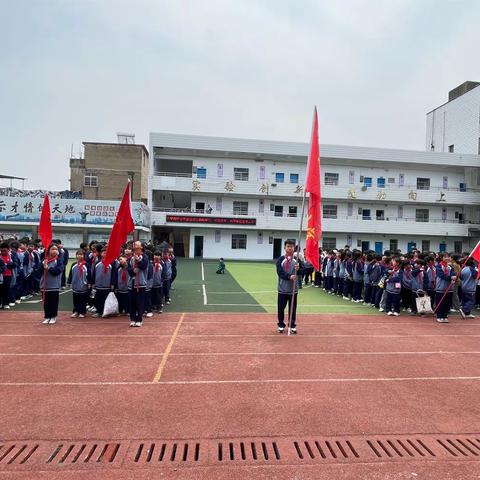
[[273, 184], [361, 178], [364, 188]]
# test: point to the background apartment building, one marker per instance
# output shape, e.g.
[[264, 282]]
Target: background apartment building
[[239, 198], [455, 125], [105, 167]]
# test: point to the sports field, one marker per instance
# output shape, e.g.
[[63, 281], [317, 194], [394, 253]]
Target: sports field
[[209, 390], [245, 287]]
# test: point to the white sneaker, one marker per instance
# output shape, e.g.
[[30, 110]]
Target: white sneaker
[[390, 313], [74, 315], [132, 324], [149, 314], [12, 304], [23, 298], [53, 320], [470, 316], [6, 307], [96, 315], [396, 314], [345, 298], [442, 320], [81, 315], [381, 309], [46, 321], [17, 301], [138, 324]]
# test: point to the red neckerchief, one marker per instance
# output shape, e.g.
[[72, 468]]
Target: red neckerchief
[[287, 263], [444, 266], [157, 266], [51, 259], [80, 268]]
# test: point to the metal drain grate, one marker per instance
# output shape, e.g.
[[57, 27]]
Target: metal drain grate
[[467, 447], [179, 452], [16, 454], [400, 448], [248, 451], [325, 449], [78, 453]]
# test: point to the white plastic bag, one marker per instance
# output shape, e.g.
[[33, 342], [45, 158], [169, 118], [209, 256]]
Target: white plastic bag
[[424, 305], [111, 305]]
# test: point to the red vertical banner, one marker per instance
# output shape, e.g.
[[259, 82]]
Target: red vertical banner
[[123, 226], [312, 186], [45, 225]]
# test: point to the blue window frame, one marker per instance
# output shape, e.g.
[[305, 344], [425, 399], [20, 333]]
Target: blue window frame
[[279, 177], [380, 182], [367, 181], [201, 173], [294, 178]]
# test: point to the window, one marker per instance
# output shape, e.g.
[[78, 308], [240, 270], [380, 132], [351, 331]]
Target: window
[[425, 246], [400, 211], [393, 244], [380, 182], [261, 172], [445, 182], [391, 179], [349, 209], [201, 172], [261, 205], [380, 214], [220, 170], [401, 179], [421, 215], [292, 211], [218, 236], [240, 174], [423, 183], [278, 210], [294, 178], [329, 211], [279, 177], [366, 215], [240, 208], [451, 148], [367, 181], [90, 180], [331, 178], [239, 241], [329, 243], [457, 246], [444, 214], [351, 177]]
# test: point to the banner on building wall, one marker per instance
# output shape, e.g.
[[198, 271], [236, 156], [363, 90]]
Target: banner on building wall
[[210, 219], [74, 211]]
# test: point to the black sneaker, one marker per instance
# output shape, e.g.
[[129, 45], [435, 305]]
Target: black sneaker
[[281, 329], [293, 331]]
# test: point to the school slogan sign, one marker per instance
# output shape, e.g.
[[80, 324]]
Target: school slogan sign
[[211, 220]]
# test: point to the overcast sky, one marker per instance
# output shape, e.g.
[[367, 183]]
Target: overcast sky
[[82, 70]]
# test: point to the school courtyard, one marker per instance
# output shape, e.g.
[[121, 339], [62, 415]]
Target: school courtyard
[[210, 390]]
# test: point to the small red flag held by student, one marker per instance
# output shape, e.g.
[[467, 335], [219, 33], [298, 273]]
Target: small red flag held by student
[[45, 226], [475, 253], [312, 186], [121, 229]]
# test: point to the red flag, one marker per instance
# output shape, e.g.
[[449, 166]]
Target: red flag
[[122, 227], [45, 226], [475, 253], [312, 186]]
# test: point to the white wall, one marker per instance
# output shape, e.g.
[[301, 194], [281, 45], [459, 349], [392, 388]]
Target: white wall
[[455, 123]]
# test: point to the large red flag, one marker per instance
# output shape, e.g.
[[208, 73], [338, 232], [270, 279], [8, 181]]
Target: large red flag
[[45, 226], [122, 227], [475, 253], [312, 186]]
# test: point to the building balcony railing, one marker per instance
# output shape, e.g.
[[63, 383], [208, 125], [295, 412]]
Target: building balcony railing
[[412, 194]]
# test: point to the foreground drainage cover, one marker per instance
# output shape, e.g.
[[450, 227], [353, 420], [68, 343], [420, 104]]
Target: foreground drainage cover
[[131, 454]]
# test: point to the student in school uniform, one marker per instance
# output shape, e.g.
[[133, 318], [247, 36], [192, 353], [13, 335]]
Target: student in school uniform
[[79, 281], [31, 261], [138, 271], [431, 278], [357, 277], [173, 259], [166, 277], [367, 281], [468, 276], [287, 271], [121, 281], [157, 287], [8, 273], [406, 291], [51, 282], [102, 282], [445, 278], [348, 280], [393, 288], [148, 289], [418, 282]]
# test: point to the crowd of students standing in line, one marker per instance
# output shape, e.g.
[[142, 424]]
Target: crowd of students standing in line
[[394, 280], [141, 277]]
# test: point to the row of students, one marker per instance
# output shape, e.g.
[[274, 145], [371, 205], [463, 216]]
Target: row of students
[[141, 279], [390, 281]]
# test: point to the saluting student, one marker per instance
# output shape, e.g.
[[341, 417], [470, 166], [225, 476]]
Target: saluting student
[[287, 270], [50, 283], [78, 279], [138, 270]]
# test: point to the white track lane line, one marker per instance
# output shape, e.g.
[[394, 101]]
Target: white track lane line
[[204, 288], [233, 382]]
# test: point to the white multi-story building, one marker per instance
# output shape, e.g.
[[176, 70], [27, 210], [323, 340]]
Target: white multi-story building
[[455, 125], [238, 198]]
